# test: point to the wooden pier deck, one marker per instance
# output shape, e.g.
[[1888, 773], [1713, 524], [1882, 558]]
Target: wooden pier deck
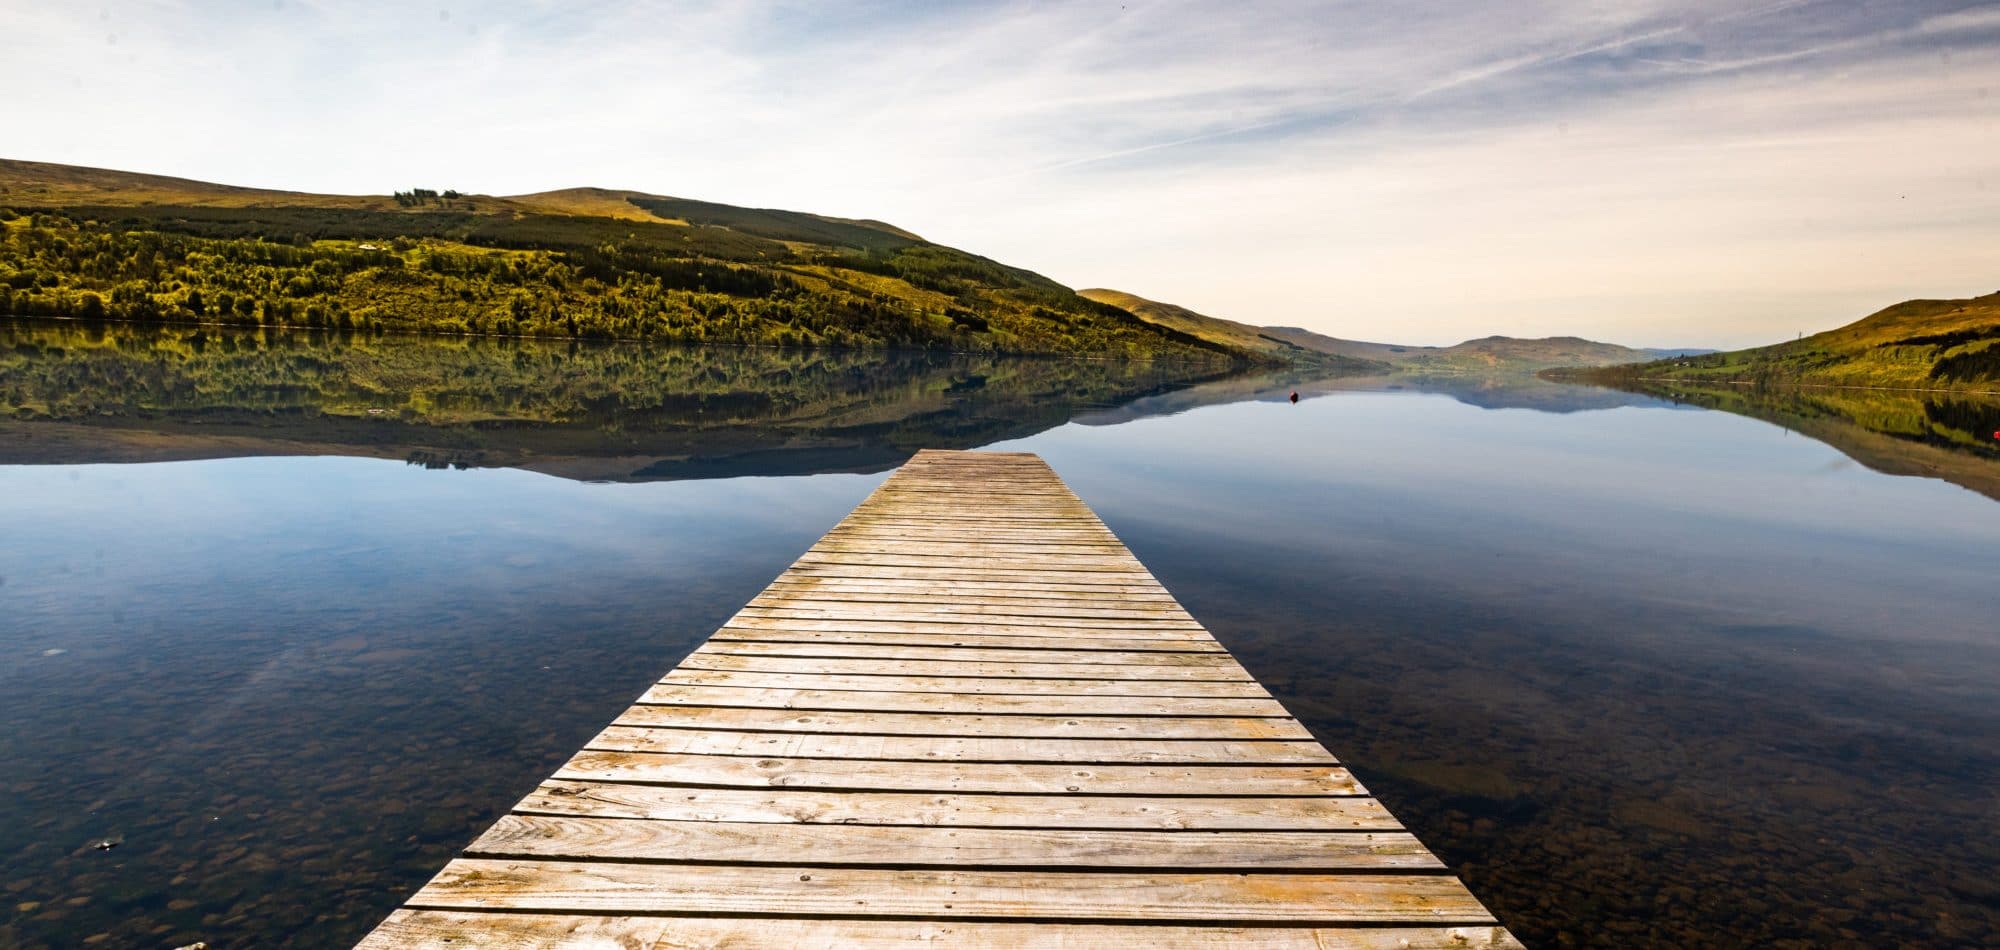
[[967, 717]]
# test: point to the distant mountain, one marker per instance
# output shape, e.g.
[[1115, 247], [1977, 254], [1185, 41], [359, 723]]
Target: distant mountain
[[1669, 352], [1514, 354], [578, 263], [1493, 354], [1917, 344], [1279, 343]]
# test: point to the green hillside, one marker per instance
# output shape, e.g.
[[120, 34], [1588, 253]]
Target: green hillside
[[1514, 354], [1277, 343], [1917, 344], [1494, 354], [580, 263]]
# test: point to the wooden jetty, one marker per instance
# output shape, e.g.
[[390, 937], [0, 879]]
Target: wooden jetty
[[967, 717]]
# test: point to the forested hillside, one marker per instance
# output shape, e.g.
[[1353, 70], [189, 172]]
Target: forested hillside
[[89, 243]]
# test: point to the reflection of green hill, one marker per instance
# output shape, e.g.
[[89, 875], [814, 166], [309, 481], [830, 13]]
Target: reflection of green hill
[[1952, 436], [80, 393], [1276, 385]]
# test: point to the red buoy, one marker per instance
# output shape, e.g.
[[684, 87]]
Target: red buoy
[[1295, 398]]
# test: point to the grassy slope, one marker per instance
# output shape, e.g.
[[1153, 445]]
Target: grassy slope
[[1280, 343], [1500, 353], [1917, 344], [587, 262], [1496, 354]]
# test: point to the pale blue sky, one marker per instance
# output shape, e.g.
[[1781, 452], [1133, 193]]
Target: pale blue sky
[[1656, 173]]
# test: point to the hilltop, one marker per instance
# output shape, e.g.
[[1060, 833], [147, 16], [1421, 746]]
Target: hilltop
[[1494, 354], [1516, 354], [1916, 344], [579, 263], [1279, 343]]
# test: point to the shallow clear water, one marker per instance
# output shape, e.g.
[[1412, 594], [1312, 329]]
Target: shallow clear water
[[1663, 674]]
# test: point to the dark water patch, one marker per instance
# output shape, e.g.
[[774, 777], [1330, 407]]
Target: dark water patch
[[1771, 632]]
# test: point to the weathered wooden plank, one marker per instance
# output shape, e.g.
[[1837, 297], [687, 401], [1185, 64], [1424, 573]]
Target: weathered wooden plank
[[771, 604], [998, 602], [1280, 897], [1048, 640], [940, 725], [1045, 490], [986, 489], [873, 666], [1053, 653], [808, 567], [670, 694], [929, 588], [989, 515], [1136, 591], [1031, 566], [1009, 777], [467, 930], [1044, 547], [1057, 555], [956, 530], [935, 613], [918, 846], [961, 527], [1104, 812], [626, 738], [972, 626], [776, 595], [967, 685], [1019, 517]]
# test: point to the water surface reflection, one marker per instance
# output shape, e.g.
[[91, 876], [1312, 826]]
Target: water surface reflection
[[1677, 677]]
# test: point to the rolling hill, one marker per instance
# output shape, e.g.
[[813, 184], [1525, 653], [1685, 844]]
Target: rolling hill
[[1516, 354], [1280, 343], [1494, 354], [580, 263], [1916, 344]]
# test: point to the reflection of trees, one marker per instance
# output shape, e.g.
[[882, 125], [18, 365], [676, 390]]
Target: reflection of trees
[[1978, 422], [467, 399], [1938, 435]]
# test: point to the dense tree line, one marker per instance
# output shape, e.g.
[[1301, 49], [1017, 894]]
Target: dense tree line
[[550, 276], [418, 197]]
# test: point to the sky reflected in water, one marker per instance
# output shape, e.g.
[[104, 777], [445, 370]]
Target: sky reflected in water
[[1673, 676]]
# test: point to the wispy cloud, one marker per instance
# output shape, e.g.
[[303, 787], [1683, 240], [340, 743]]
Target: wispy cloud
[[1677, 172]]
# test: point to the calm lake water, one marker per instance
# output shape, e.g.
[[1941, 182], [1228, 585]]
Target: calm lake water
[[1642, 672]]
